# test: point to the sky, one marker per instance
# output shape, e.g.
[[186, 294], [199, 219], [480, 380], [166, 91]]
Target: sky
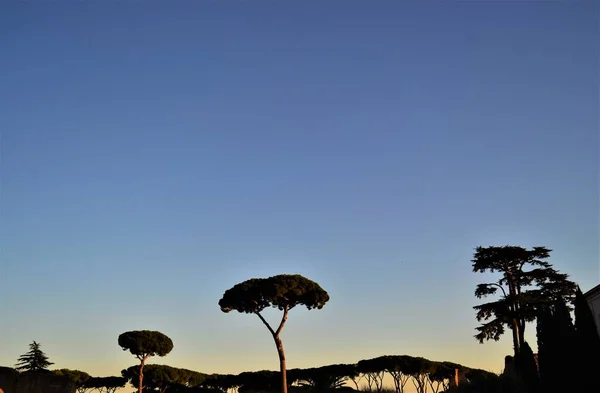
[[154, 154]]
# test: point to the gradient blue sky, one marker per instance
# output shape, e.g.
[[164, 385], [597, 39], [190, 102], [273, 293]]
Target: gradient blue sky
[[156, 153]]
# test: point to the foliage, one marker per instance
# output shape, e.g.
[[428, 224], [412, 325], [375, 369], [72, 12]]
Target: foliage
[[527, 369], [588, 342], [528, 282], [419, 369], [284, 291], [398, 368], [158, 377], [8, 371], [373, 371], [567, 351], [441, 375], [423, 373], [263, 380], [34, 360], [556, 343], [221, 382], [105, 384], [323, 379], [78, 378], [145, 343]]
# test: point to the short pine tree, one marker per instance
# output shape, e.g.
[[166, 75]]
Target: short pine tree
[[34, 360]]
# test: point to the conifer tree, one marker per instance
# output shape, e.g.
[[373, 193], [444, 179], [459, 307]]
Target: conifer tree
[[526, 283], [527, 369], [557, 350], [34, 360], [588, 344]]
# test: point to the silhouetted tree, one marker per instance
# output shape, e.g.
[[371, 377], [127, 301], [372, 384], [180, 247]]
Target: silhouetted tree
[[323, 379], [588, 343], [284, 292], [397, 367], [143, 344], [527, 369], [528, 282], [419, 369], [373, 370], [440, 376], [78, 378], [263, 380], [355, 377], [159, 377], [557, 350], [106, 384], [34, 360], [222, 382]]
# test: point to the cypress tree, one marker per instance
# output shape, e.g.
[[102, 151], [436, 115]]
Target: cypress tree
[[527, 369], [556, 348], [588, 344]]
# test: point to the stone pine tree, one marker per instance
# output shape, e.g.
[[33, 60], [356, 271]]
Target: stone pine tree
[[527, 282], [105, 384], [143, 344], [78, 378], [284, 292], [34, 360]]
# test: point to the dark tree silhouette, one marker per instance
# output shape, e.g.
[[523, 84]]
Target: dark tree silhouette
[[373, 370], [323, 379], [558, 354], [34, 360], [159, 377], [527, 369], [105, 384], [143, 344], [419, 369], [440, 376], [588, 343], [284, 291], [78, 378], [528, 282], [222, 382]]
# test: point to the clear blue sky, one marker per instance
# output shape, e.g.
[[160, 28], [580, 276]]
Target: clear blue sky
[[155, 154]]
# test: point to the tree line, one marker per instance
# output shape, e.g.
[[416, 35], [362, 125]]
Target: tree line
[[529, 289], [368, 374]]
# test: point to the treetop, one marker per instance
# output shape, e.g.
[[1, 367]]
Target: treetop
[[143, 343], [280, 291], [501, 258]]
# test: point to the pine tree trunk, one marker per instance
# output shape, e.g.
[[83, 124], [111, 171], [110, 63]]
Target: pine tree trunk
[[141, 380], [282, 367]]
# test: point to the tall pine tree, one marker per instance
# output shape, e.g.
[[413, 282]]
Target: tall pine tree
[[34, 360]]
